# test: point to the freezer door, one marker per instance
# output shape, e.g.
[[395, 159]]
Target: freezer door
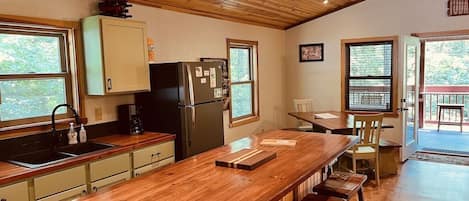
[[203, 128], [201, 82]]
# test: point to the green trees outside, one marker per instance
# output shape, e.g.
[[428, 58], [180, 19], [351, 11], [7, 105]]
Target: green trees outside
[[241, 94], [447, 62], [29, 97]]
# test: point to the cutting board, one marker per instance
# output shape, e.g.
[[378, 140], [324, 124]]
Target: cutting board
[[246, 159]]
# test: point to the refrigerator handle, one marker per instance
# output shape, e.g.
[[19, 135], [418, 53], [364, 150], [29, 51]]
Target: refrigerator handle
[[191, 85], [189, 141]]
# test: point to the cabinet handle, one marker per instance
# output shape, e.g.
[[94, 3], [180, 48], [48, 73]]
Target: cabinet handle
[[95, 189], [84, 192], [109, 84], [157, 155]]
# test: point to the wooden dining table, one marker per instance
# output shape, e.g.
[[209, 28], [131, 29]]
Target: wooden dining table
[[343, 124]]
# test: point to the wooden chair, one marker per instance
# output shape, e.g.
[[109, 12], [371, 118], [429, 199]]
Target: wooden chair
[[368, 128], [303, 105], [342, 185], [312, 197]]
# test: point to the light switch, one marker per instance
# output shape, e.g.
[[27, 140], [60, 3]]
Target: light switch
[[98, 113]]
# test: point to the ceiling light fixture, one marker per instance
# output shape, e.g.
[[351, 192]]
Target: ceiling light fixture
[[325, 1]]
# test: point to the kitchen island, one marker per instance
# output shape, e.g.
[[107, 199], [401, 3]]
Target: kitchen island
[[197, 177]]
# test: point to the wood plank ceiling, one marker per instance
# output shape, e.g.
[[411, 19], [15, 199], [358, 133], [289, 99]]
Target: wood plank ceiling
[[278, 14]]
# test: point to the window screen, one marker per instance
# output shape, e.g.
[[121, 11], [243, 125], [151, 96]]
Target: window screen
[[369, 76]]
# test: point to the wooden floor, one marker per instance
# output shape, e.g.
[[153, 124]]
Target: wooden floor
[[422, 181]]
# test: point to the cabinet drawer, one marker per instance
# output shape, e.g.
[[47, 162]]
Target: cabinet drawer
[[95, 186], [15, 192], [58, 182], [153, 153], [109, 166], [155, 165], [66, 195]]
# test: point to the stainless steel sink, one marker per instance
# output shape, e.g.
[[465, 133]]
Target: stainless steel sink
[[39, 158], [49, 156], [83, 148]]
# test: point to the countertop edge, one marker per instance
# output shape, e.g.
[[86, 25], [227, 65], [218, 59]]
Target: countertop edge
[[85, 158]]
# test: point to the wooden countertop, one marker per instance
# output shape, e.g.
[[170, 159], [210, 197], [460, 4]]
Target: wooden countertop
[[10, 172], [197, 177]]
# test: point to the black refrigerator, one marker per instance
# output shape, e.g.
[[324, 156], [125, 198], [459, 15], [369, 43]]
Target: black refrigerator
[[186, 99]]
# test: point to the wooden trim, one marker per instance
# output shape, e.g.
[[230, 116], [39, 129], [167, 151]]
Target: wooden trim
[[13, 133], [72, 31], [39, 21], [351, 3], [395, 43], [421, 83], [441, 33], [244, 121], [253, 45]]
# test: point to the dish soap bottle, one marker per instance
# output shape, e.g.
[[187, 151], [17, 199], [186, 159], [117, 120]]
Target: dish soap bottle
[[72, 135], [82, 134]]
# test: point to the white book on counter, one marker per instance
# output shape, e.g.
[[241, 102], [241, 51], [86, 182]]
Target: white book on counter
[[325, 116]]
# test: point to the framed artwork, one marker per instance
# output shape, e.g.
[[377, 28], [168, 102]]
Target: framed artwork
[[312, 52], [226, 80]]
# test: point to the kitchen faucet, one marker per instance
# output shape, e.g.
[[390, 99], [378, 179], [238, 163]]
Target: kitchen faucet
[[75, 115]]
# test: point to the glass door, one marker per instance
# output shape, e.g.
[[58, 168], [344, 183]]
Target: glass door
[[409, 101]]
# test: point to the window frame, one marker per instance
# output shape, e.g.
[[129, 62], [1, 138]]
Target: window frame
[[252, 46], [69, 33], [394, 40]]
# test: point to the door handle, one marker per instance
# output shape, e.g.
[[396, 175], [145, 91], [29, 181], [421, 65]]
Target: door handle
[[402, 109], [109, 84], [191, 84]]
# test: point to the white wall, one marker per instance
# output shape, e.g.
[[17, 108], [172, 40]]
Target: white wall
[[183, 37], [321, 80]]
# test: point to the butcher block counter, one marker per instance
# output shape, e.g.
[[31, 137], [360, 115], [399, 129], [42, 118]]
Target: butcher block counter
[[197, 178], [125, 143]]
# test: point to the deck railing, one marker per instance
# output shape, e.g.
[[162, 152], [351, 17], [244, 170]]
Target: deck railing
[[434, 95]]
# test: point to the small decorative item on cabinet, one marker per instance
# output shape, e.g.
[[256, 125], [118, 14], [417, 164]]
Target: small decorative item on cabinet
[[151, 50], [114, 8], [226, 80]]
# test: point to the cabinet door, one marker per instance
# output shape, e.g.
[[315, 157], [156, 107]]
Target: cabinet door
[[153, 153], [58, 182], [66, 195], [109, 166], [15, 192], [125, 56], [95, 186], [153, 166]]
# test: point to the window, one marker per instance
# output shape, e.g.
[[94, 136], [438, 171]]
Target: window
[[242, 59], [35, 74], [368, 73]]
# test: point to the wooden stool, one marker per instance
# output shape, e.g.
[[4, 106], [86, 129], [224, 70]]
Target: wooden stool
[[312, 197], [459, 107], [343, 185]]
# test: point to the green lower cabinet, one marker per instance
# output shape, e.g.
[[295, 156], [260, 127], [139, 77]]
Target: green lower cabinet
[[15, 192], [61, 185], [109, 171]]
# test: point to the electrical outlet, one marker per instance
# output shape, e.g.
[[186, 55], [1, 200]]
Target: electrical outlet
[[98, 113]]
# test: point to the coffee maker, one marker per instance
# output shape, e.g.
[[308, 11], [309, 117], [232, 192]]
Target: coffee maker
[[130, 119]]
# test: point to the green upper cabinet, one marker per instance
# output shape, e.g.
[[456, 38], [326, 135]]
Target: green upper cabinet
[[116, 55]]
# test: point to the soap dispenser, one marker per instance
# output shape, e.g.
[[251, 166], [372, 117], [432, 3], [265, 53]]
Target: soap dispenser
[[82, 134], [72, 135]]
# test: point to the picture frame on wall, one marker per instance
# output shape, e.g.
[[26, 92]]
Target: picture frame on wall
[[311, 52], [226, 80]]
